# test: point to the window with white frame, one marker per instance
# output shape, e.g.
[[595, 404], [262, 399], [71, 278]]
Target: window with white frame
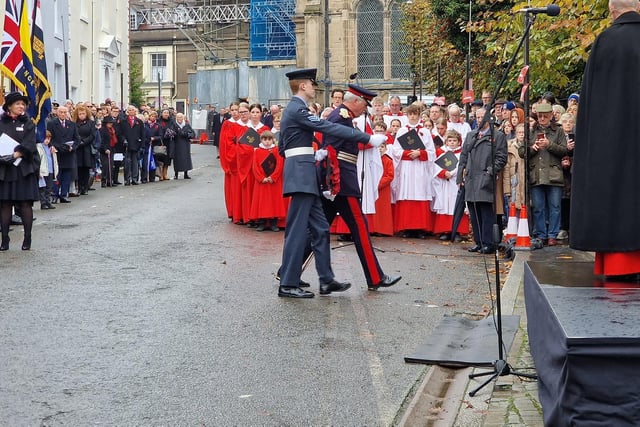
[[158, 66], [133, 21]]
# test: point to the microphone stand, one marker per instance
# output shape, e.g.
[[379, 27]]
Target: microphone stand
[[500, 366]]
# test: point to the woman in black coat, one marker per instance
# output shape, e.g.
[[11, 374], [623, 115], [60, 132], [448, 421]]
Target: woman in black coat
[[109, 140], [182, 147], [168, 132], [85, 158], [153, 134], [19, 168]]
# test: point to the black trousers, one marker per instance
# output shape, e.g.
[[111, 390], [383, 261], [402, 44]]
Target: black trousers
[[351, 212], [131, 168], [482, 221]]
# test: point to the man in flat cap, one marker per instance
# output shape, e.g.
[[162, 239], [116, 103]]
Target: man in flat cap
[[547, 147], [305, 216]]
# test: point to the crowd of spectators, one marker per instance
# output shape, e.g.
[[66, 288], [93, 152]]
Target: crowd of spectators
[[87, 143], [419, 205]]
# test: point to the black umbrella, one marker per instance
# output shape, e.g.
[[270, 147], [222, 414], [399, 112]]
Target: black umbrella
[[458, 211]]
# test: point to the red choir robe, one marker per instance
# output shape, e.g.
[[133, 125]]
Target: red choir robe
[[382, 220], [267, 201], [229, 165], [245, 175]]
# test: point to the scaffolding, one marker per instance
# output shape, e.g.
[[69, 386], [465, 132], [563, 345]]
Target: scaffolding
[[271, 33], [272, 30], [190, 15]]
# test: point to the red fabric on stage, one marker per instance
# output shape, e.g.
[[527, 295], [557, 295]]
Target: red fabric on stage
[[617, 263], [412, 215], [267, 198], [442, 224]]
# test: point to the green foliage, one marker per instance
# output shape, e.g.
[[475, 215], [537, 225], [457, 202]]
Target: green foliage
[[137, 96], [558, 45]]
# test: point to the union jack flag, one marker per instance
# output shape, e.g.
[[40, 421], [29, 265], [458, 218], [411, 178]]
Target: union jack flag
[[12, 62]]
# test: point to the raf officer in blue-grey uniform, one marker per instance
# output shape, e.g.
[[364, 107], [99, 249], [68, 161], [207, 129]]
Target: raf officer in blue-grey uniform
[[305, 216]]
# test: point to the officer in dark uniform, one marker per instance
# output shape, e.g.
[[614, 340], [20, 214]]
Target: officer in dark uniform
[[348, 198], [305, 216]]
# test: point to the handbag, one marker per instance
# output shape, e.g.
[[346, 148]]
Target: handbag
[[160, 149]]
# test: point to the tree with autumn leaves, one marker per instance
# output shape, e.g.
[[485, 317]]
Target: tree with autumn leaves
[[559, 46]]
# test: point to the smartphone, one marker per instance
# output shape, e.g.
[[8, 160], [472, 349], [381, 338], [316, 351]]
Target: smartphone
[[571, 136], [540, 136]]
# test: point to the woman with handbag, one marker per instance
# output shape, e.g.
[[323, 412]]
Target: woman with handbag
[[19, 168], [158, 149], [168, 132]]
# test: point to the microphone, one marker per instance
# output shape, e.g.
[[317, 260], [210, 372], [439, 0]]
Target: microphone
[[551, 10]]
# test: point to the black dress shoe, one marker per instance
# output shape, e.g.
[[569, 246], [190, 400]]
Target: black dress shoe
[[333, 286], [385, 282], [487, 249], [26, 243], [16, 220], [50, 206], [287, 292], [345, 238], [445, 236], [4, 246], [475, 248], [301, 284], [134, 182], [63, 200]]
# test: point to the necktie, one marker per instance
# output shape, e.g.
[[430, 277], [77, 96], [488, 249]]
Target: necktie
[[64, 125]]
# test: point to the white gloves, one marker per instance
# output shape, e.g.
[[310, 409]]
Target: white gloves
[[377, 139], [321, 155], [328, 195]]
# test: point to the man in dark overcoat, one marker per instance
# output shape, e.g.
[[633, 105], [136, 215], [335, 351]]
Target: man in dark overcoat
[[133, 135], [305, 214], [605, 192], [65, 138], [479, 171]]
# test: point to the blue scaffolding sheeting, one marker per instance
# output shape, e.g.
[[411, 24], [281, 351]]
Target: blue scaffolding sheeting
[[272, 30]]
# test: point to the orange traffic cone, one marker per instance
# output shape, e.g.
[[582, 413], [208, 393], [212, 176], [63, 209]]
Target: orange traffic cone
[[512, 225], [523, 241]]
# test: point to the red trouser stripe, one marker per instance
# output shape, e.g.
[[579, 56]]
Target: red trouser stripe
[[365, 240]]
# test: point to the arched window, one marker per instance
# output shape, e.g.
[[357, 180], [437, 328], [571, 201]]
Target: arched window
[[370, 30], [399, 50]]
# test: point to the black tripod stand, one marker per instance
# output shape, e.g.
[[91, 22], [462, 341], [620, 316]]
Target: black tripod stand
[[500, 366]]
